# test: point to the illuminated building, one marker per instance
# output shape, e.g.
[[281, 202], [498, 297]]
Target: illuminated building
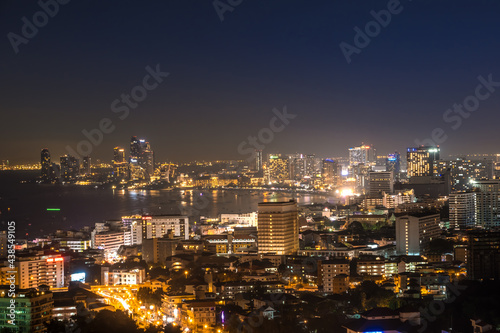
[[329, 270], [371, 265], [33, 310], [415, 231], [110, 241], [364, 154], [258, 160], [394, 164], [119, 155], [70, 168], [157, 250], [74, 244], [155, 226], [297, 166], [40, 270], [3, 244], [198, 314], [87, 162], [45, 162], [243, 219], [401, 197], [483, 254], [141, 159], [279, 168], [480, 208], [464, 172], [421, 161], [120, 165], [228, 244], [380, 182], [116, 276], [278, 228], [330, 172]]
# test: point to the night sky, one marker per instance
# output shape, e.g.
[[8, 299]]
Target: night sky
[[225, 77]]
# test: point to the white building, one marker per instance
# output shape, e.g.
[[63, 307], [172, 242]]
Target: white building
[[155, 226], [244, 219], [39, 270], [413, 232], [122, 276]]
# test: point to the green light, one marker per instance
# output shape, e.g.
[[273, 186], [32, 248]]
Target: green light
[[53, 209]]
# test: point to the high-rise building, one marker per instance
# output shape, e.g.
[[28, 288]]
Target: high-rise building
[[278, 228], [480, 208], [464, 172], [380, 182], [45, 162], [258, 160], [278, 168], [119, 155], [483, 254], [141, 159], [421, 161], [120, 165], [86, 165], [394, 164], [35, 271], [415, 231], [364, 154], [330, 172], [156, 226], [33, 310], [70, 168]]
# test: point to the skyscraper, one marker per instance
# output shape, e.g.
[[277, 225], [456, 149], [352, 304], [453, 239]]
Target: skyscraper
[[483, 254], [380, 182], [86, 164], [141, 158], [364, 154], [258, 160], [70, 167], [330, 172], [45, 162], [480, 208], [394, 164], [278, 168], [415, 231], [278, 227], [119, 155], [421, 161]]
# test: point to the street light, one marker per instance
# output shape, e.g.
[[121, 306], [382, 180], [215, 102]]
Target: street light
[[186, 273]]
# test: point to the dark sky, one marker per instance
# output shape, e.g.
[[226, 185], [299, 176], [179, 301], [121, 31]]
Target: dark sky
[[227, 76]]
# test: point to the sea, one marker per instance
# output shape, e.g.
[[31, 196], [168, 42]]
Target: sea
[[29, 204]]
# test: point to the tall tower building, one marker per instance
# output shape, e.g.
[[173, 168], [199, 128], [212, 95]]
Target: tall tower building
[[364, 154], [86, 164], [415, 231], [380, 182], [45, 162], [279, 168], [70, 167], [483, 254], [394, 164], [141, 158], [278, 227], [330, 172], [421, 161], [258, 160], [119, 155]]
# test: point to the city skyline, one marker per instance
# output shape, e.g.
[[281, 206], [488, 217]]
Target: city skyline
[[398, 88]]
